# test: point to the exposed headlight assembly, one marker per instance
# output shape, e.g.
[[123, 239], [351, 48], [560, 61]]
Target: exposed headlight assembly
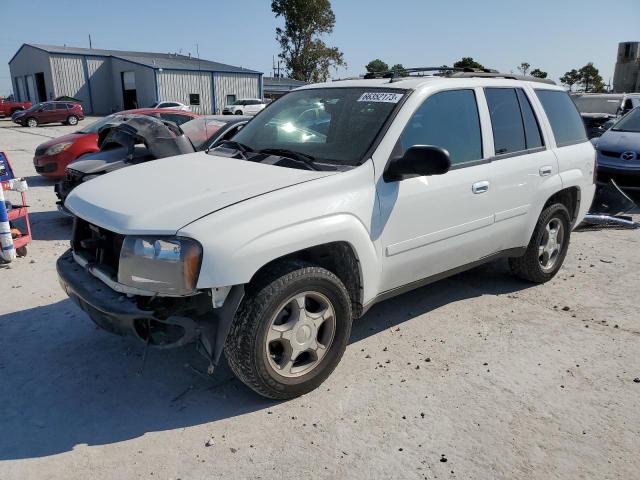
[[59, 147], [167, 266]]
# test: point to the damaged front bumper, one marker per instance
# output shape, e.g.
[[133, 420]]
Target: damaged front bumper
[[159, 322]]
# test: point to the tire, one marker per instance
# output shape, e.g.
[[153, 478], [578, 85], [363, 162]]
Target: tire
[[31, 122], [238, 112], [253, 359], [538, 267], [72, 120]]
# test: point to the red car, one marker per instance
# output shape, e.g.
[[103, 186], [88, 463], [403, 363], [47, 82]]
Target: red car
[[52, 157], [49, 112], [9, 107]]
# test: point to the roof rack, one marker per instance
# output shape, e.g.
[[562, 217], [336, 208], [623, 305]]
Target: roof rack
[[454, 72]]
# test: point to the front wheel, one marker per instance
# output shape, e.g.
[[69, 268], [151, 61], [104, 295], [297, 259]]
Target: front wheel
[[548, 246], [32, 122], [290, 331], [72, 120], [238, 112]]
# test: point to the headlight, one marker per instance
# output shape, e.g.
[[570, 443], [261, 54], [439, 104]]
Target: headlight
[[167, 265], [60, 147]]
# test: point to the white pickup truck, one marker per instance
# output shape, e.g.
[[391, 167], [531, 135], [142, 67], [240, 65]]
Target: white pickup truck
[[271, 244]]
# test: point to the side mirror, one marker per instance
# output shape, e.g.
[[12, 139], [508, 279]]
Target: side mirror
[[418, 161]]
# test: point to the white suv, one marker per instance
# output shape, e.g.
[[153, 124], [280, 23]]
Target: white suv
[[276, 240], [244, 106]]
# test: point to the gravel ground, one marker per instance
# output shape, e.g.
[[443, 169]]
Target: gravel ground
[[477, 376]]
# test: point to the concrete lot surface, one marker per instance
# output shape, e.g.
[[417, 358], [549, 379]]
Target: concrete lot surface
[[477, 376]]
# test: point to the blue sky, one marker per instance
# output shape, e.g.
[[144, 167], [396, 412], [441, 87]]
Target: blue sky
[[553, 35]]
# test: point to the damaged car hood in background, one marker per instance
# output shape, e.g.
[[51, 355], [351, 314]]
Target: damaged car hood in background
[[154, 198]]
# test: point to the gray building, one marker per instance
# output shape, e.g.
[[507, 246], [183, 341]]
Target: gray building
[[111, 80], [626, 78], [275, 87]]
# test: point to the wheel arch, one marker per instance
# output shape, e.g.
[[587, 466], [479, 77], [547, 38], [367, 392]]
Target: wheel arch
[[570, 198], [339, 257]]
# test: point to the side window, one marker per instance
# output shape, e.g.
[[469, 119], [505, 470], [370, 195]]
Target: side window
[[47, 107], [506, 120], [61, 106], [449, 120], [532, 134], [563, 116], [175, 118]]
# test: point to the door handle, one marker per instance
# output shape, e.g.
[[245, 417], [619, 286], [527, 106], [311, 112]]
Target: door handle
[[480, 187], [545, 171]]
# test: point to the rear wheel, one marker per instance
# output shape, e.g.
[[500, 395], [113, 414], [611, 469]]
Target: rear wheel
[[32, 122], [548, 246], [72, 120], [290, 331]]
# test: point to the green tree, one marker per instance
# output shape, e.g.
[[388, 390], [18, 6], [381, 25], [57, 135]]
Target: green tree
[[524, 68], [570, 78], [468, 62], [590, 78], [536, 72], [399, 70], [377, 66], [305, 55]]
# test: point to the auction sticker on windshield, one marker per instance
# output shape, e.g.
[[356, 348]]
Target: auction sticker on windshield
[[380, 97]]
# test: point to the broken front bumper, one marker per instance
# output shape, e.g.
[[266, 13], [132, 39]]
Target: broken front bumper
[[121, 314]]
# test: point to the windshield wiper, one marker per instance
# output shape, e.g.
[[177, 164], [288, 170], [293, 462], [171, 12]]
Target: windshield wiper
[[308, 160]]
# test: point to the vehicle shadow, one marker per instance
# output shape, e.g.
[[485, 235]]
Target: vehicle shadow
[[64, 383], [40, 181]]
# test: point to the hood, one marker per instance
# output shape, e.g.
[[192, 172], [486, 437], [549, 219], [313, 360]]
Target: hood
[[162, 196], [72, 137], [619, 142]]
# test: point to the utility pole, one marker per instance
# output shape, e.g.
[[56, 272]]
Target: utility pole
[[90, 47]]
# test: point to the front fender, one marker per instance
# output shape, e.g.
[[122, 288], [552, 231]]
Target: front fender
[[237, 263]]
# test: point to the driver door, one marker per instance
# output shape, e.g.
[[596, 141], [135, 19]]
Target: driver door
[[432, 225]]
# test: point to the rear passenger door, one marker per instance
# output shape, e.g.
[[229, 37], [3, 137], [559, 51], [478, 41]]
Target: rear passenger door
[[60, 113], [523, 168]]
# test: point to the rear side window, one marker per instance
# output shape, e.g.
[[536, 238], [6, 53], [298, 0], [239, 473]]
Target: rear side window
[[563, 116], [449, 120], [533, 138], [175, 118], [506, 120]]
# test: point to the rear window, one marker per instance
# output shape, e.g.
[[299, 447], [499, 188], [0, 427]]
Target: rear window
[[563, 116], [589, 104]]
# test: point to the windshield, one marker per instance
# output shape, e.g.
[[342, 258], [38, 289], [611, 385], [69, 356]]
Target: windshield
[[629, 123], [95, 126], [598, 104], [200, 130], [330, 125]]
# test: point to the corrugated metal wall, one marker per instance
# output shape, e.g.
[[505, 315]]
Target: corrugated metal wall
[[177, 85], [69, 78], [242, 85], [100, 80]]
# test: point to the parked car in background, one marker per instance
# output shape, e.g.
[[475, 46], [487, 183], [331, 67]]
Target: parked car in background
[[9, 107], [173, 106], [619, 152], [279, 238], [596, 109], [49, 112], [244, 106], [52, 157], [141, 139]]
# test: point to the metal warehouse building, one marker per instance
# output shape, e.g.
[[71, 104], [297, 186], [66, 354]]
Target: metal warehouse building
[[112, 80]]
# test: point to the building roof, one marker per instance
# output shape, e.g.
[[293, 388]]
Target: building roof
[[283, 81], [169, 61]]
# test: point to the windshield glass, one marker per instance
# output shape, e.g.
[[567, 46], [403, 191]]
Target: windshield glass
[[200, 130], [95, 126], [629, 123], [333, 125], [598, 105]]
